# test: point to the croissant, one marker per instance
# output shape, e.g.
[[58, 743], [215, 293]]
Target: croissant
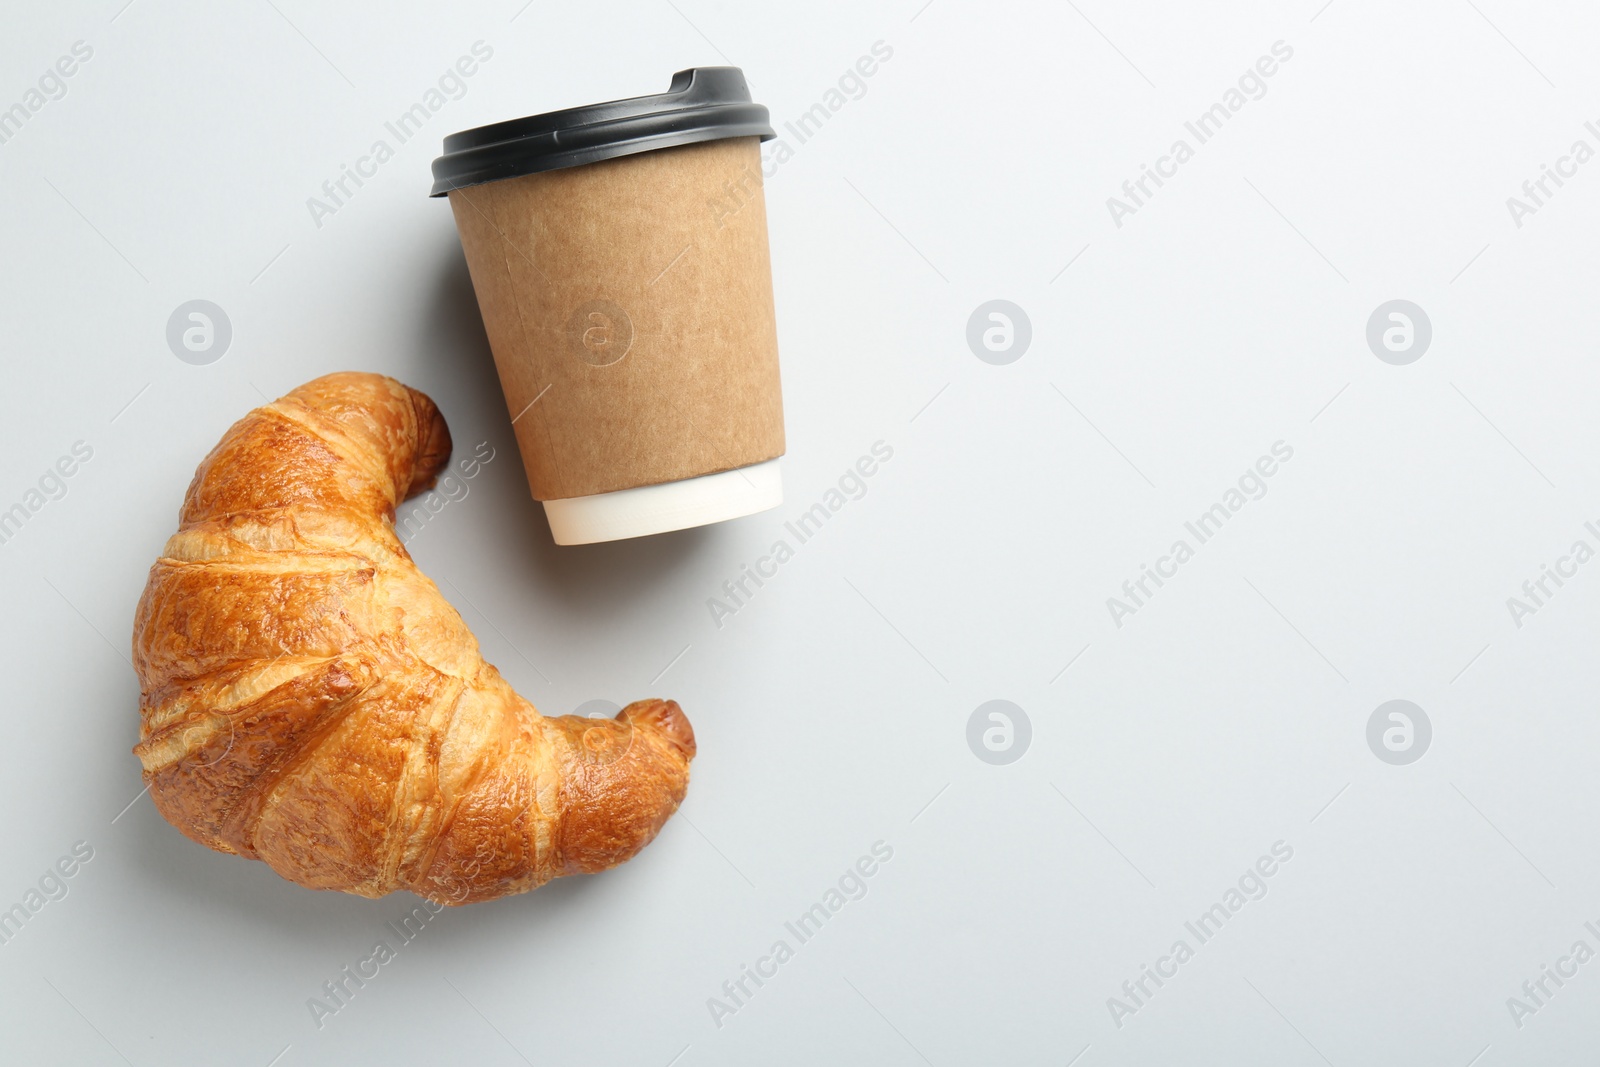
[[310, 699]]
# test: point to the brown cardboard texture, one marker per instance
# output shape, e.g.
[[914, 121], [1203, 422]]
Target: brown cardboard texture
[[631, 316]]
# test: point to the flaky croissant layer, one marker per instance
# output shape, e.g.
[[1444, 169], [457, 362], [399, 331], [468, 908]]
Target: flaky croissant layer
[[310, 699]]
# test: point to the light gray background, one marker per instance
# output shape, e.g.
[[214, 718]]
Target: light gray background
[[1167, 355]]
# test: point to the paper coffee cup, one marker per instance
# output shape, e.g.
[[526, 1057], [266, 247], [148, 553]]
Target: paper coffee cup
[[619, 255]]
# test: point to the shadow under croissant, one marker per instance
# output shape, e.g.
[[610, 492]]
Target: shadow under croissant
[[176, 869]]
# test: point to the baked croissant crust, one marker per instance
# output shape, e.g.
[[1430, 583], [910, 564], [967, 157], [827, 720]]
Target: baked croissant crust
[[310, 699]]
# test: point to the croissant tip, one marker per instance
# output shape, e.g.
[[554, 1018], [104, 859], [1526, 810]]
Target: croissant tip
[[666, 718], [433, 443]]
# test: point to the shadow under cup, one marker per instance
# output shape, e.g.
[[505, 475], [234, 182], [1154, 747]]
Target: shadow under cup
[[619, 256]]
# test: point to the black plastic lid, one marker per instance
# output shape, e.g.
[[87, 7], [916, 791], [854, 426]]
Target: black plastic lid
[[702, 104]]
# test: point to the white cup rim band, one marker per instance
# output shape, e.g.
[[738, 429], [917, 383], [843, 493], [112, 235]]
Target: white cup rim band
[[653, 509]]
